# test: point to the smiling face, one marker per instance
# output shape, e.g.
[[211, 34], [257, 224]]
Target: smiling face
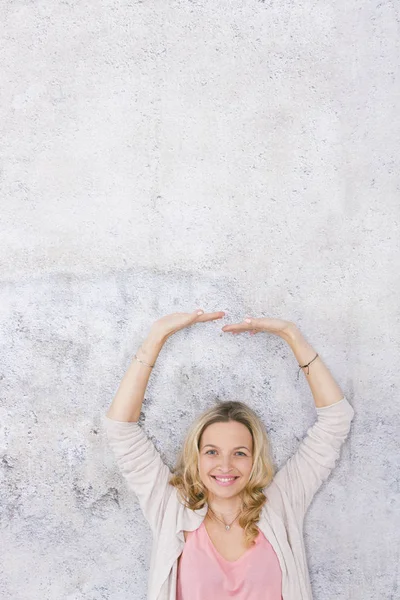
[[225, 452]]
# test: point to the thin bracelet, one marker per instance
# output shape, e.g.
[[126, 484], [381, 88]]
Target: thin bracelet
[[143, 363], [307, 365]]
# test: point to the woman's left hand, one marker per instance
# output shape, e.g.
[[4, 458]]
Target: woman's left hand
[[263, 324]]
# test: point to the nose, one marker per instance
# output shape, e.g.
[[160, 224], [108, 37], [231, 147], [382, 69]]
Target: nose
[[225, 465]]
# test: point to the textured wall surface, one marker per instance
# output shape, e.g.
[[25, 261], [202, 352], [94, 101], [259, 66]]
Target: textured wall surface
[[159, 156]]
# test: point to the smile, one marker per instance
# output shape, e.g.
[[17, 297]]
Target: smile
[[224, 480]]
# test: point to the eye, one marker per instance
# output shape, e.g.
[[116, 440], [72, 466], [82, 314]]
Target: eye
[[238, 452]]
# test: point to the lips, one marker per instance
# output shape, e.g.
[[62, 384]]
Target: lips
[[228, 481]]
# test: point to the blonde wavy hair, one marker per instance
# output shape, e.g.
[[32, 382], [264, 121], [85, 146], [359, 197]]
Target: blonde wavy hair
[[186, 477]]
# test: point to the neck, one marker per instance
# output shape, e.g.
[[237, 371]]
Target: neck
[[225, 508]]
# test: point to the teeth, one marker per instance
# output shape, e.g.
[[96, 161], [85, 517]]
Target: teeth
[[224, 478]]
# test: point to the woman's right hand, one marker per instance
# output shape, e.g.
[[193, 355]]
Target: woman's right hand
[[174, 322]]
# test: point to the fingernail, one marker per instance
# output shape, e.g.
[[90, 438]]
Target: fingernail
[[199, 312], [248, 320]]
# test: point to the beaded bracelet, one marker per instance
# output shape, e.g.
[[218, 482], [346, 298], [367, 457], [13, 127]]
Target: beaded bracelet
[[307, 365]]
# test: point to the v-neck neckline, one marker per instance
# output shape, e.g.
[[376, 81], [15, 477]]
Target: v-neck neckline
[[231, 562]]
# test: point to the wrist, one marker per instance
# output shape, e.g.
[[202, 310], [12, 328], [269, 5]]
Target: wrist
[[155, 338], [300, 347], [291, 333], [150, 348]]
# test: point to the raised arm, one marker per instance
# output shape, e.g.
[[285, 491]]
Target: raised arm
[[312, 463], [303, 474], [323, 387], [128, 400], [298, 480], [137, 458]]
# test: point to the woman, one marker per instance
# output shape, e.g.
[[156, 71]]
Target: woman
[[224, 524]]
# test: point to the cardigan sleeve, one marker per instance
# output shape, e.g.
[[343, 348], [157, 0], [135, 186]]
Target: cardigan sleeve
[[303, 474], [142, 467]]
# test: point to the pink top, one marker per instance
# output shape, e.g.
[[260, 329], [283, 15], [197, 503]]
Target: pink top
[[204, 573]]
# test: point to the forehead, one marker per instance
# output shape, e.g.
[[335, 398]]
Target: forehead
[[226, 434]]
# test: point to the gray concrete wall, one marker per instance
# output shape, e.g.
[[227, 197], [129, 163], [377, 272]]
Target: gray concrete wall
[[161, 156]]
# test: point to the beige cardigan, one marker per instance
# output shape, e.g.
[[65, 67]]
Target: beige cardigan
[[288, 498]]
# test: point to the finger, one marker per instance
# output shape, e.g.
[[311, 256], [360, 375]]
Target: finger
[[194, 316], [247, 324], [211, 316], [237, 327]]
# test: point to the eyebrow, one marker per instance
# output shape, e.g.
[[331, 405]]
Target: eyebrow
[[214, 446]]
